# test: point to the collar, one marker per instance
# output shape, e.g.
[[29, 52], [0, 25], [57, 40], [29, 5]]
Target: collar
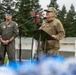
[[9, 22], [48, 21]]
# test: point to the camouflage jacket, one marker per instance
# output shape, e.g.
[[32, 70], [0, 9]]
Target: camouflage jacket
[[54, 27]]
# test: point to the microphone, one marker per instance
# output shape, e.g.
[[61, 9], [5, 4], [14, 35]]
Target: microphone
[[36, 16]]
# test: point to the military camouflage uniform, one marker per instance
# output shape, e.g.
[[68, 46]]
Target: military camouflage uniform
[[6, 32], [53, 27]]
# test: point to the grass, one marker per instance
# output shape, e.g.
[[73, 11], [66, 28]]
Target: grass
[[5, 60]]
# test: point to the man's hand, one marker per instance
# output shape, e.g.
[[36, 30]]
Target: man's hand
[[5, 42], [54, 36]]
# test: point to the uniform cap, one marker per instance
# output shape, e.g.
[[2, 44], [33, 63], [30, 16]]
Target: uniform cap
[[8, 12], [51, 9]]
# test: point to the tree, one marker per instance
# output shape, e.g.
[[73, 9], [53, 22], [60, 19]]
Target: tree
[[71, 22], [53, 3], [7, 5], [62, 16], [1, 13], [62, 13], [25, 6]]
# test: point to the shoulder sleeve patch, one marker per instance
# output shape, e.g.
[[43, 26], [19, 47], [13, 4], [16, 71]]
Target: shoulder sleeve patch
[[16, 24]]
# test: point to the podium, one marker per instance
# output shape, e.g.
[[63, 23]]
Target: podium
[[40, 35], [43, 34]]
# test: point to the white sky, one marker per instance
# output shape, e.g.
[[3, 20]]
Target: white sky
[[67, 3]]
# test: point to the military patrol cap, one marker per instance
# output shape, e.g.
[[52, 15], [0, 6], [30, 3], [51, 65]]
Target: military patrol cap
[[8, 12], [51, 9]]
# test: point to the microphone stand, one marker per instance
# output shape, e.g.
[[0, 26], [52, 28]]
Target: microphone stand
[[20, 44], [36, 28]]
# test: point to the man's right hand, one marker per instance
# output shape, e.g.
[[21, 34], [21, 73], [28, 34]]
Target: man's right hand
[[5, 42]]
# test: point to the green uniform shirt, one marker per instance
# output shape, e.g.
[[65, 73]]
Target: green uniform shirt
[[7, 31]]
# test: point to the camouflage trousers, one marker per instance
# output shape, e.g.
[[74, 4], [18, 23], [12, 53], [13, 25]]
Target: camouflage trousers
[[49, 52], [53, 52]]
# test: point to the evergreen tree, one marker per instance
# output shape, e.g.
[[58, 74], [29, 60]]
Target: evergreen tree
[[53, 3], [71, 22], [7, 5], [1, 13], [25, 6], [62, 13], [62, 16]]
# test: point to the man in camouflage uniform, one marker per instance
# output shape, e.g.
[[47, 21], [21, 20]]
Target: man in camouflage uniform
[[53, 27], [8, 33]]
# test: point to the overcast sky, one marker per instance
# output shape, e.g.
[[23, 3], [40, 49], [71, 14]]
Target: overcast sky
[[67, 3]]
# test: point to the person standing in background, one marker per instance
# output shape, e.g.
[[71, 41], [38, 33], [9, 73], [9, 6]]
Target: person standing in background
[[8, 33]]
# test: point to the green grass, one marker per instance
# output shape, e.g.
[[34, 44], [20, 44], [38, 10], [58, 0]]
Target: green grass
[[6, 60]]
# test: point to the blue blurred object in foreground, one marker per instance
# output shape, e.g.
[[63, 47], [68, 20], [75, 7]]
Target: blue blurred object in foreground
[[30, 67], [45, 65], [13, 64], [7, 71]]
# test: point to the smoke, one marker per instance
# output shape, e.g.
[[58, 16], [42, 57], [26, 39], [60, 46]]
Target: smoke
[[7, 71], [45, 65]]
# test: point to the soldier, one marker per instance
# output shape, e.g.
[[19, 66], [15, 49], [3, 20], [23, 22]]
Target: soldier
[[53, 27], [8, 33]]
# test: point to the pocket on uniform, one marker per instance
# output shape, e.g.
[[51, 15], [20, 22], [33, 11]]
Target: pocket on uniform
[[50, 44]]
